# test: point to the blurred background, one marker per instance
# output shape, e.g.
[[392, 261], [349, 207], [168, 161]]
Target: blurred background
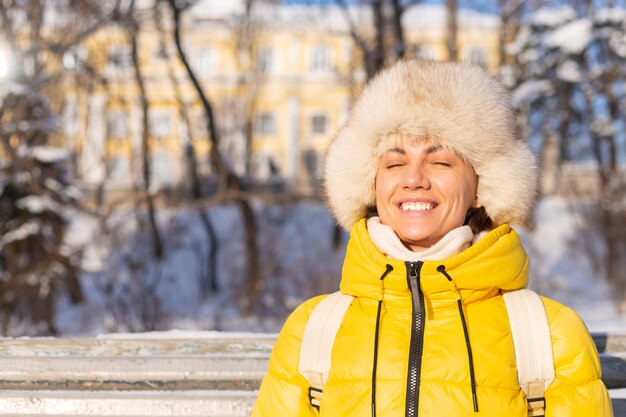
[[160, 159]]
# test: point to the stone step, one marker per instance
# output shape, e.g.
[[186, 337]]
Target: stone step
[[610, 343], [143, 403], [142, 344], [145, 375], [135, 363], [613, 369], [127, 403], [227, 363]]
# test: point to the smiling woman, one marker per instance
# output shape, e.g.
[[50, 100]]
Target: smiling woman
[[427, 173], [423, 192]]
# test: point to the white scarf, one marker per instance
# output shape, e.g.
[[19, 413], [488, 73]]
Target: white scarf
[[388, 242]]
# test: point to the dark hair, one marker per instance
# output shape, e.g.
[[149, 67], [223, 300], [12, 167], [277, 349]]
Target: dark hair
[[478, 220], [371, 211]]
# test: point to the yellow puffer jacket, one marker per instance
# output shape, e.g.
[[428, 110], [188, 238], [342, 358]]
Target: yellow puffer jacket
[[425, 367]]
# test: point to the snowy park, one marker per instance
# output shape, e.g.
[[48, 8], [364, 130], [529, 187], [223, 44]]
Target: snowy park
[[162, 206]]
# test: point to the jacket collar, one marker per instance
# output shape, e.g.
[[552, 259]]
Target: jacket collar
[[496, 262]]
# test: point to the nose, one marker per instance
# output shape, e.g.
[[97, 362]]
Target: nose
[[416, 178]]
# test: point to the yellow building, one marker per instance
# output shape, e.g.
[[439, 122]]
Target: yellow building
[[290, 73]]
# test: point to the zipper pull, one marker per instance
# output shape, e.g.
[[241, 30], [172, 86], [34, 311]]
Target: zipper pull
[[413, 269]]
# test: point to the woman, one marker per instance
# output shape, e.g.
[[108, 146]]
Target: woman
[[427, 173]]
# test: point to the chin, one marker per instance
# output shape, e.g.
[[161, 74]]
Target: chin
[[418, 241]]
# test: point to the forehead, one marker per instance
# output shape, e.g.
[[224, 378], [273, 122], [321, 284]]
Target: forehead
[[399, 145]]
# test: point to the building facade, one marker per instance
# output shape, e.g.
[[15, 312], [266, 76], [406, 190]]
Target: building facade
[[281, 80]]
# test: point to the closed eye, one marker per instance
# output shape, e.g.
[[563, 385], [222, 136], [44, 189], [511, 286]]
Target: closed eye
[[442, 163]]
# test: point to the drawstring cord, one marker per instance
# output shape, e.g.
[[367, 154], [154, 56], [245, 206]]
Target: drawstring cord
[[388, 269], [442, 270]]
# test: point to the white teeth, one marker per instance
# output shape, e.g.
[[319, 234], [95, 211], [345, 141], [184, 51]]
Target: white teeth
[[413, 206]]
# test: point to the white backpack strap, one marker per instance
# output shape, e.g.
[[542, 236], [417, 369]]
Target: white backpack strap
[[533, 346], [317, 342]]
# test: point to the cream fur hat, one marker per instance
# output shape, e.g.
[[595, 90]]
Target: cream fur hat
[[456, 105]]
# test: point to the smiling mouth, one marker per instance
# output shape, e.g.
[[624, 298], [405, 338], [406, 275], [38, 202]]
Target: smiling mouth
[[414, 206]]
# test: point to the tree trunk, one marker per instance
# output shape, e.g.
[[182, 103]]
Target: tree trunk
[[510, 12], [502, 33], [222, 172], [451, 42], [378, 56], [145, 146], [208, 283], [399, 44]]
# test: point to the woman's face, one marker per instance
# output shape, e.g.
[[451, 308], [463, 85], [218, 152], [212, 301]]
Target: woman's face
[[423, 192]]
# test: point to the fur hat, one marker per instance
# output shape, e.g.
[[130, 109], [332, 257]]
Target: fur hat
[[456, 105]]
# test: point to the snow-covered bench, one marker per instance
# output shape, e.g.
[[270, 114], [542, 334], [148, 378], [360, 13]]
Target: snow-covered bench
[[199, 374]]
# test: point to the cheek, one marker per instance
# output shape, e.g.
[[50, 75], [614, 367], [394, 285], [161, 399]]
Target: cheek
[[383, 193], [458, 188], [380, 196], [469, 193], [382, 185]]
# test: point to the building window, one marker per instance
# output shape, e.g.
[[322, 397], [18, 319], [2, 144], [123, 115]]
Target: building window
[[265, 124], [206, 60], [161, 123], [164, 169], [265, 60], [119, 168], [319, 124], [476, 55], [117, 124], [119, 59], [265, 166], [320, 59], [161, 52]]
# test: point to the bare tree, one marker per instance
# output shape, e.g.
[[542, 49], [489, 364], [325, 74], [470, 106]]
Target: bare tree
[[228, 180], [132, 27], [383, 41], [210, 282]]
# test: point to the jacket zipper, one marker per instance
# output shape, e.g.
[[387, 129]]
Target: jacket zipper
[[417, 338]]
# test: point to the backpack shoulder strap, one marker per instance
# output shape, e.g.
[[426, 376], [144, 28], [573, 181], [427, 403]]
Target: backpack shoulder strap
[[533, 346], [318, 340]]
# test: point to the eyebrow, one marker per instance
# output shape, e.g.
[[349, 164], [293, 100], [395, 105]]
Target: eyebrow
[[434, 148], [397, 150], [431, 149]]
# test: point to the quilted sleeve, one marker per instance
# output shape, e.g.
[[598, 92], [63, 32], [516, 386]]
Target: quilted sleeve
[[284, 392], [578, 389]]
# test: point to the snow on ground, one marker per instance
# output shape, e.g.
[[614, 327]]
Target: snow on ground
[[565, 255], [127, 292]]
